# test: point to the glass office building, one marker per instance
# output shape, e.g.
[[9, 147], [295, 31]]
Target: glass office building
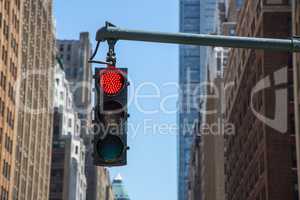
[[196, 16]]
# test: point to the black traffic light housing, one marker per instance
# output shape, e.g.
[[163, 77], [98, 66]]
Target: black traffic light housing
[[110, 116]]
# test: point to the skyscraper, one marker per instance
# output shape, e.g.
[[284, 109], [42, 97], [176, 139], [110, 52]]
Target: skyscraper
[[75, 55], [34, 119], [9, 65], [195, 17], [119, 190], [212, 138], [68, 180], [212, 160]]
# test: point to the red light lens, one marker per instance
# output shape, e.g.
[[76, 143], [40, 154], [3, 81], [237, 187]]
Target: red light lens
[[111, 81]]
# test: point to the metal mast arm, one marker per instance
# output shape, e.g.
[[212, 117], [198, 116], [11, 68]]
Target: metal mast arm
[[110, 32]]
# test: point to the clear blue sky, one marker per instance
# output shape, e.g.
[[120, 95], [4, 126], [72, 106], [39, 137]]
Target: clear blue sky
[[151, 173]]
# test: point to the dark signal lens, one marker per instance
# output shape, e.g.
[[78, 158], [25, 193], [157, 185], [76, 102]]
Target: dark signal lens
[[112, 81], [111, 148]]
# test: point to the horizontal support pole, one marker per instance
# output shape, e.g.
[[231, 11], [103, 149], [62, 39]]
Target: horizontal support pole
[[110, 32]]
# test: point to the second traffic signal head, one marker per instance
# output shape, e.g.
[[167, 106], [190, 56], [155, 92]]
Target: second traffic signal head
[[110, 141]]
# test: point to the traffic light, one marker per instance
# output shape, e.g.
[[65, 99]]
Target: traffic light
[[110, 117]]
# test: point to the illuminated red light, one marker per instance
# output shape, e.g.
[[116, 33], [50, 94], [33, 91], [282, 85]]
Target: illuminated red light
[[111, 81]]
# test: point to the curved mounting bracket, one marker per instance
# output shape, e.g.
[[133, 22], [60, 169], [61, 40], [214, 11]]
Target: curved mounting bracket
[[111, 55], [103, 33]]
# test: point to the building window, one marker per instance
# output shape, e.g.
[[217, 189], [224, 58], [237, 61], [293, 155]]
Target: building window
[[61, 48], [261, 164], [263, 194], [76, 149], [239, 3], [276, 2], [70, 123], [1, 134], [294, 157], [292, 124], [0, 20], [6, 170]]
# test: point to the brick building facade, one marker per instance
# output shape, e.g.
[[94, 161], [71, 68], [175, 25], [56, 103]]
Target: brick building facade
[[10, 17], [296, 32], [260, 157]]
